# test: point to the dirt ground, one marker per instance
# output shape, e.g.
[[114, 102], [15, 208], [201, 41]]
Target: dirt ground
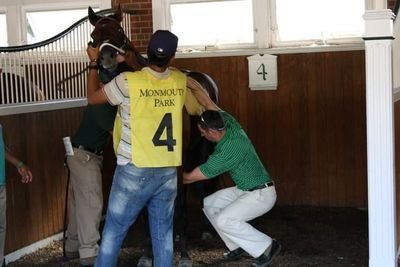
[[310, 236]]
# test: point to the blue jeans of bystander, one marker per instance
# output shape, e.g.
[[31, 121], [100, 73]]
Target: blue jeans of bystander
[[132, 189]]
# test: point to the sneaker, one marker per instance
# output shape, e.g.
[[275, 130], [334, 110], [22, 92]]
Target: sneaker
[[145, 261], [265, 260], [185, 262], [234, 254]]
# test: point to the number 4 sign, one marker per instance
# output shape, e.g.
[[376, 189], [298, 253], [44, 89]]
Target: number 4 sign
[[263, 73]]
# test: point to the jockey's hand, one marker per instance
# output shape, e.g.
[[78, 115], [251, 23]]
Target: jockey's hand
[[93, 52]]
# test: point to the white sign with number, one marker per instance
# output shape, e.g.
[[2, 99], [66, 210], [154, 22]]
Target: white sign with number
[[263, 72]]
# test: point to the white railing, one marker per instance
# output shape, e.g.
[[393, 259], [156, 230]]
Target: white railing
[[50, 74]]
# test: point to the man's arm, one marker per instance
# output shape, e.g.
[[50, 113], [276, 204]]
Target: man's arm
[[95, 92], [23, 170], [201, 95], [193, 176]]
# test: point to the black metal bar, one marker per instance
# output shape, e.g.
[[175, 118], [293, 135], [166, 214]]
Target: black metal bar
[[66, 205], [378, 38]]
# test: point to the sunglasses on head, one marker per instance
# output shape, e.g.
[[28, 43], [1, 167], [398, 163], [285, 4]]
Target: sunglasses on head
[[203, 121]]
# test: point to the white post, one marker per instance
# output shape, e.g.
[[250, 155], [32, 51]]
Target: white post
[[380, 138]]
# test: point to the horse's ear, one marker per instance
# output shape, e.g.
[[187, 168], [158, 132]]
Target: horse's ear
[[118, 13], [93, 18]]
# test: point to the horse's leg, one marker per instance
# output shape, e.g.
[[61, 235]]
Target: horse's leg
[[198, 153], [206, 187], [181, 210]]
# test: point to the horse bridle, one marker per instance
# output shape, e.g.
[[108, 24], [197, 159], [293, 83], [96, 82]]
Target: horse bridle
[[108, 51]]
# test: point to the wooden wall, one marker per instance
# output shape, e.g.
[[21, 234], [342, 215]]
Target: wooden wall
[[35, 211], [310, 133]]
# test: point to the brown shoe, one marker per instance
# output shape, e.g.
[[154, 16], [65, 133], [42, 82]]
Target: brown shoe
[[87, 262], [70, 255]]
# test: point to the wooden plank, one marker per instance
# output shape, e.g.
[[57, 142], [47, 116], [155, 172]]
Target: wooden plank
[[308, 132]]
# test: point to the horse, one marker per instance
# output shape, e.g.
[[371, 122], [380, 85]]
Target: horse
[[109, 35]]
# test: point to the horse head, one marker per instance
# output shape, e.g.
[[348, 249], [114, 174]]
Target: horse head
[[109, 35], [107, 28]]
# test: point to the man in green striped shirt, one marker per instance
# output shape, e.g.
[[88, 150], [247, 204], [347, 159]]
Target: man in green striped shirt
[[231, 208]]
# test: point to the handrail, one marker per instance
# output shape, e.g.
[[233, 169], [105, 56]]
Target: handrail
[[19, 48]]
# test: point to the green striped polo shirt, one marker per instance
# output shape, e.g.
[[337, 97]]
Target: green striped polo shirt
[[235, 154]]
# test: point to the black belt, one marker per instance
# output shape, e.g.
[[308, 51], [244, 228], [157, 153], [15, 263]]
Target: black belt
[[262, 186], [97, 152]]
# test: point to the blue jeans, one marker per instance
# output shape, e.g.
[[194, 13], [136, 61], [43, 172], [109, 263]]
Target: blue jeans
[[132, 189]]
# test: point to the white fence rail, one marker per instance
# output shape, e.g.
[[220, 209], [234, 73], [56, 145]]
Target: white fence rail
[[50, 74]]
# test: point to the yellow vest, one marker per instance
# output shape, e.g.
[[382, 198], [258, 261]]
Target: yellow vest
[[156, 118], [117, 131]]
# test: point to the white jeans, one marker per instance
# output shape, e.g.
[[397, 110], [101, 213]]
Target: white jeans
[[230, 209]]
